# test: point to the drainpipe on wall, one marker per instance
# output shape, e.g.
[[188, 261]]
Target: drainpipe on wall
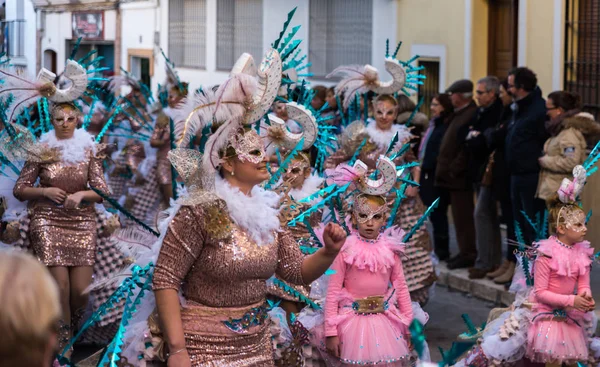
[[39, 14], [118, 41]]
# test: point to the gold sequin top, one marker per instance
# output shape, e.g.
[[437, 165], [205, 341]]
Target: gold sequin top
[[221, 267], [70, 177]]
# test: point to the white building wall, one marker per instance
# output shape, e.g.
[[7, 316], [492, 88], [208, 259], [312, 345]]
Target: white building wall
[[28, 62], [274, 14], [139, 22], [57, 30]]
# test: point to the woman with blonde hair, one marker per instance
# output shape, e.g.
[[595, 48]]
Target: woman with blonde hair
[[30, 311]]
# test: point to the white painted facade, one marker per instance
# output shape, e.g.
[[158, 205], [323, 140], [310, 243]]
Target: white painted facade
[[140, 20], [57, 29], [28, 61], [145, 26]]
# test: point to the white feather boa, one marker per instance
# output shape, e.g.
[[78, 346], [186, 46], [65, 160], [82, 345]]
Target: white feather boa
[[257, 214], [383, 138], [73, 150], [310, 186]]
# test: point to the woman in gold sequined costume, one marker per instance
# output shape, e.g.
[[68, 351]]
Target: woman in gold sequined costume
[[379, 133], [223, 250], [63, 219], [161, 139]]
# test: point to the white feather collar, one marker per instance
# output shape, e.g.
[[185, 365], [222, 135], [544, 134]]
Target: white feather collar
[[383, 138], [73, 150], [256, 214], [310, 186]]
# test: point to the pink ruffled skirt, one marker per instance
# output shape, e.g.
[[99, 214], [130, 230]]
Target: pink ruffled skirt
[[551, 341], [367, 339]]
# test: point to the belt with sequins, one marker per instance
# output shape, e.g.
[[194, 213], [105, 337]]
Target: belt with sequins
[[255, 316], [557, 315], [372, 304]]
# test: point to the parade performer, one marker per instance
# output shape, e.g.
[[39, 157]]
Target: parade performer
[[379, 136], [548, 323], [557, 334], [366, 319], [161, 136], [224, 237], [62, 213]]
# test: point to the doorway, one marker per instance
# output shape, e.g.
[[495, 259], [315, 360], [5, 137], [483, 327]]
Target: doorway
[[50, 60], [502, 42]]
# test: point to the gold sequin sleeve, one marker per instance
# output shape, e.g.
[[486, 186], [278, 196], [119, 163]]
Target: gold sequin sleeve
[[182, 245], [27, 178], [96, 175], [289, 256]]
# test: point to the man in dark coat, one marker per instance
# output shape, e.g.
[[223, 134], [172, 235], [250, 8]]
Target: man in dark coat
[[478, 144], [452, 173], [525, 139]]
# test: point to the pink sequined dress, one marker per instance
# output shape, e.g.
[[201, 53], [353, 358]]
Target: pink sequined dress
[[222, 271], [363, 269], [556, 334], [61, 236]]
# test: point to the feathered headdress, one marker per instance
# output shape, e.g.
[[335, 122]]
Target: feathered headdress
[[26, 92], [359, 79]]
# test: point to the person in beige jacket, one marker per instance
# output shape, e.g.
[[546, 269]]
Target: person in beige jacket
[[571, 132]]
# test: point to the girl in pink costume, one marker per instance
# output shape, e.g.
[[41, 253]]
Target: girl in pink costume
[[556, 334], [366, 320]]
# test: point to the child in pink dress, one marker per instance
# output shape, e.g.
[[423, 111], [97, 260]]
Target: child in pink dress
[[366, 320], [561, 294]]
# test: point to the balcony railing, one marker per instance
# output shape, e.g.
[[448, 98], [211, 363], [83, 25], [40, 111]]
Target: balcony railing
[[12, 34]]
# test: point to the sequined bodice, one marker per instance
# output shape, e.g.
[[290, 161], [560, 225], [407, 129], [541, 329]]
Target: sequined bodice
[[221, 268], [231, 272], [71, 177]]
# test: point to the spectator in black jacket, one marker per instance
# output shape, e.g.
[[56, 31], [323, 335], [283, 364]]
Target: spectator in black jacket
[[525, 139], [501, 185], [477, 142], [429, 149]]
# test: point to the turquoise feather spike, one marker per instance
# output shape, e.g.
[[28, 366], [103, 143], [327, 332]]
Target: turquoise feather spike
[[414, 112], [287, 41], [75, 49], [357, 153], [321, 193], [592, 154], [392, 143], [421, 220], [301, 217], [588, 216], [285, 25], [397, 49], [277, 175], [400, 195]]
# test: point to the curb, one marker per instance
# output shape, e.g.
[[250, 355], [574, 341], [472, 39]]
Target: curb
[[485, 289]]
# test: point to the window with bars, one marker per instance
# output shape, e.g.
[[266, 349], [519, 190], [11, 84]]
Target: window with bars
[[340, 33], [582, 52], [239, 30], [187, 33]]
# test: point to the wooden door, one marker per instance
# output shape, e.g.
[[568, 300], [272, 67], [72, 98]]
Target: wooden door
[[502, 42]]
